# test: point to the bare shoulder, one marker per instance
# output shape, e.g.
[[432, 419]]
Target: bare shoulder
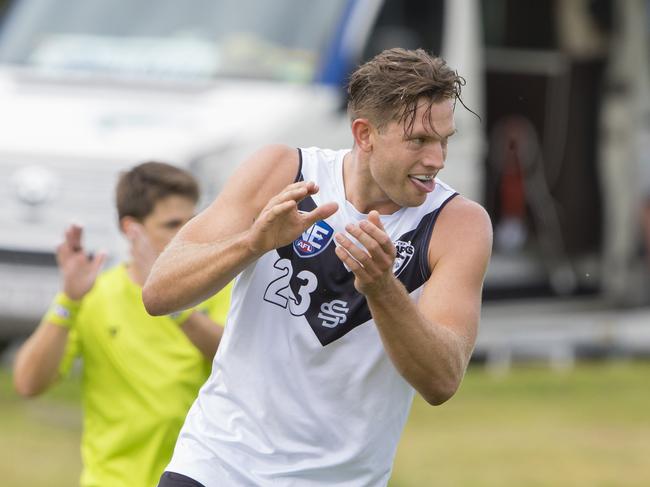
[[273, 166], [279, 155], [261, 176], [462, 215], [463, 228], [255, 181]]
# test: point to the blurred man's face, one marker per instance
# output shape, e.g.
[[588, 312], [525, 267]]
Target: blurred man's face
[[168, 216]]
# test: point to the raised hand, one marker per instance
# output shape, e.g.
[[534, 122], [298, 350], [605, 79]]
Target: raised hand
[[372, 265], [142, 252], [280, 223], [79, 269]]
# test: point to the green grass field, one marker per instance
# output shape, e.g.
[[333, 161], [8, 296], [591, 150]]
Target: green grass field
[[589, 426]]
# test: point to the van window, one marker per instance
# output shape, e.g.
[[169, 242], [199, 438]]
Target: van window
[[167, 38]]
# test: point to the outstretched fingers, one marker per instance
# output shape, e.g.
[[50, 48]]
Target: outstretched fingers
[[321, 212], [281, 209], [295, 192], [375, 241], [373, 236], [367, 251], [73, 237], [71, 244], [346, 252], [358, 254]]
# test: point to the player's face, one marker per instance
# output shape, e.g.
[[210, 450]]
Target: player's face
[[404, 164], [168, 216]]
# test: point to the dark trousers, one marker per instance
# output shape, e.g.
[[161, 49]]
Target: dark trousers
[[173, 479]]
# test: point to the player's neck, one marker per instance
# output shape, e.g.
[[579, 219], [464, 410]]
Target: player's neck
[[360, 188], [134, 274]]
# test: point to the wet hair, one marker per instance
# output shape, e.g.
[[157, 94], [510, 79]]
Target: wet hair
[[139, 189], [389, 87]]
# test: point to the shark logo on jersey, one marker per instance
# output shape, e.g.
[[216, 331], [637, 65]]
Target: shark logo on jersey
[[405, 252], [313, 240]]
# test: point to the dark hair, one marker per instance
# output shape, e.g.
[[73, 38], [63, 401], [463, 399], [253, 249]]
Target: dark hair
[[389, 86], [139, 189]]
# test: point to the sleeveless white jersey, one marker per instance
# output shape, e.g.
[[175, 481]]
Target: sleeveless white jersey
[[302, 392]]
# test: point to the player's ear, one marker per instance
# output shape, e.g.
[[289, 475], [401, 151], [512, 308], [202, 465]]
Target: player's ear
[[362, 133], [126, 224]]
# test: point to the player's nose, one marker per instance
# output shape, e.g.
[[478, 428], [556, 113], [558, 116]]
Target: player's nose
[[434, 157]]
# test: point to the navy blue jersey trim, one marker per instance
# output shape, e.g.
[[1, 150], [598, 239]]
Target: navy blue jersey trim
[[425, 267], [299, 177], [334, 307]]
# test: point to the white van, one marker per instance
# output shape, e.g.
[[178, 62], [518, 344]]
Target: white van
[[91, 87]]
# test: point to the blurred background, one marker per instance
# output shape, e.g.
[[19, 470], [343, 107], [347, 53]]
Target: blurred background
[[557, 392]]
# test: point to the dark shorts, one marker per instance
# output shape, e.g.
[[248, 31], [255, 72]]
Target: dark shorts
[[173, 479]]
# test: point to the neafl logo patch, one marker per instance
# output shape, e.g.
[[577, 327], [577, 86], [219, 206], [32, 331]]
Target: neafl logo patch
[[314, 240], [405, 252]]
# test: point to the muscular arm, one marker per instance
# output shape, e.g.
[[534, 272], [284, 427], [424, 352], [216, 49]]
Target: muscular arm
[[256, 212], [190, 271], [430, 342]]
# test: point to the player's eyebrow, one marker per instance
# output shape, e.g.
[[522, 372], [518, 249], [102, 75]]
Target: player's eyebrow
[[430, 135]]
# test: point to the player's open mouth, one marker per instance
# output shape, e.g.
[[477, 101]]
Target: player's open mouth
[[424, 182]]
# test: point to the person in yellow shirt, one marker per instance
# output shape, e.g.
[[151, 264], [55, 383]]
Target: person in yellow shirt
[[140, 373]]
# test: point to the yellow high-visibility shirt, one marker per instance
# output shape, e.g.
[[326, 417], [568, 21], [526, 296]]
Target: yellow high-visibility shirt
[[140, 376]]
